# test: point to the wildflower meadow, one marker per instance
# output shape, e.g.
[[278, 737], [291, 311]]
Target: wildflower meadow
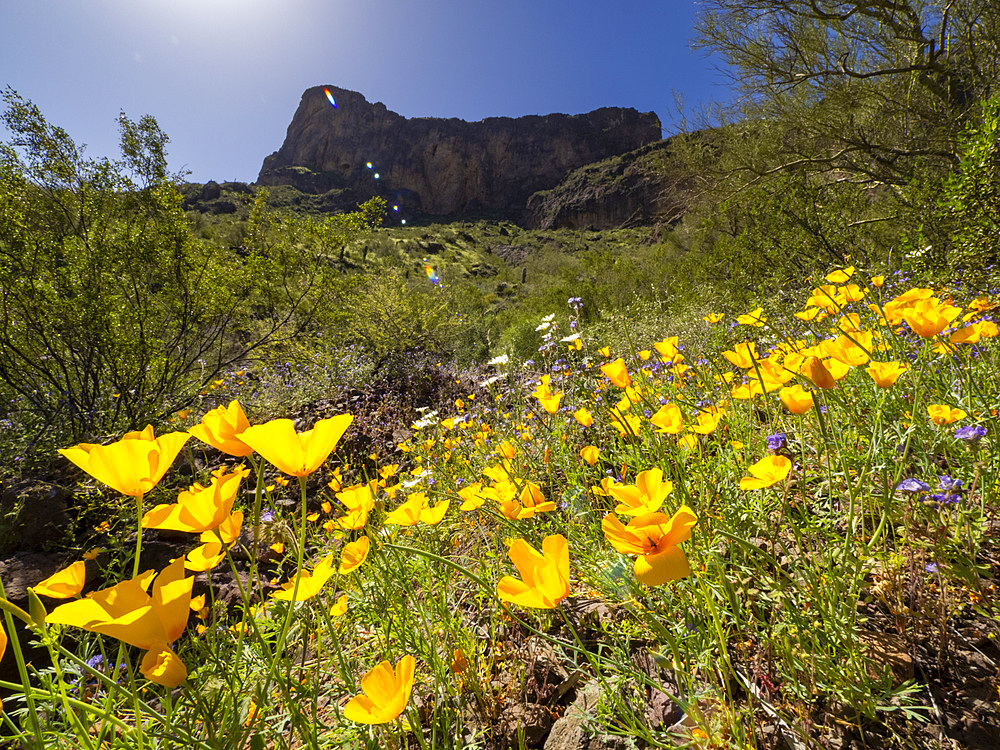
[[781, 531]]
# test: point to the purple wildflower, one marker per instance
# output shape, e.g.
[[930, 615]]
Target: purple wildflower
[[970, 434], [777, 441], [912, 485], [947, 484]]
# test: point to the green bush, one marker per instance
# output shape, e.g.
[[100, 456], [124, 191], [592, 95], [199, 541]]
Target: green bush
[[972, 197], [113, 313]]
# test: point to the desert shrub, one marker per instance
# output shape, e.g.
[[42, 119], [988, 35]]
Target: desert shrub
[[113, 313], [389, 315], [972, 197]]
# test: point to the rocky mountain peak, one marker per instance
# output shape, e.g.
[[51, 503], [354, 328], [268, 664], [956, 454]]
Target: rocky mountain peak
[[444, 166]]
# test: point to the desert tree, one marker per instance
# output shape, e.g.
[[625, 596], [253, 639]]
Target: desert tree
[[874, 89]]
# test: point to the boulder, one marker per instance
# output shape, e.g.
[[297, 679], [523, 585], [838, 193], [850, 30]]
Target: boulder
[[33, 516]]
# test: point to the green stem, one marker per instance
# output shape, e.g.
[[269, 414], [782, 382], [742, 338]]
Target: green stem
[[138, 538], [22, 669], [286, 624]]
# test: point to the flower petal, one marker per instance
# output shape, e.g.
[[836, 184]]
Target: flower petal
[[659, 568]]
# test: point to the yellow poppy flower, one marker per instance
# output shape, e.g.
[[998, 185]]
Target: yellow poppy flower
[[590, 454], [851, 352], [134, 464], [747, 391], [353, 555], [298, 454], [532, 498], [708, 421], [339, 607], [814, 369], [221, 427], [668, 419], [769, 470], [654, 537], [885, 374], [385, 693], [942, 414], [753, 318], [199, 508], [826, 297], [162, 666], [130, 614], [668, 349], [928, 317], [972, 333], [215, 542], [459, 662], [472, 496], [544, 576], [584, 417], [840, 276], [310, 584], [65, 583], [808, 314], [892, 313], [617, 373], [643, 497], [742, 355], [604, 488], [550, 401], [357, 497], [796, 399], [417, 509], [713, 317], [626, 424]]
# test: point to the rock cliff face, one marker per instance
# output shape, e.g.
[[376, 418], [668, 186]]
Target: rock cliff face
[[444, 166], [645, 186]]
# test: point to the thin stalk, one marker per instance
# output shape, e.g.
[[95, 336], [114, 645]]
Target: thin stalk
[[138, 536]]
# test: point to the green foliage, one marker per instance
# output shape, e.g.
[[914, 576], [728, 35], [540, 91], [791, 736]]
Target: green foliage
[[389, 316], [972, 197], [877, 89], [113, 313]]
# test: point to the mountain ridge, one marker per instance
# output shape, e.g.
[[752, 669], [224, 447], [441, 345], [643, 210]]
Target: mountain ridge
[[444, 166]]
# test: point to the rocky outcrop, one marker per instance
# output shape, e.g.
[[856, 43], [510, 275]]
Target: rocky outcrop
[[444, 167], [644, 186]]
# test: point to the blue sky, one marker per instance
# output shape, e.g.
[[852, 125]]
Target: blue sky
[[223, 77]]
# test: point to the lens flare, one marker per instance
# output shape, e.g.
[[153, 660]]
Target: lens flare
[[431, 273], [329, 98]]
